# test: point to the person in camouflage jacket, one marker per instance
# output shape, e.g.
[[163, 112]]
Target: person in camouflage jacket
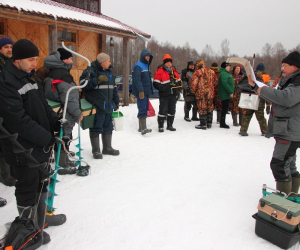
[[203, 83], [237, 76], [217, 101], [260, 113]]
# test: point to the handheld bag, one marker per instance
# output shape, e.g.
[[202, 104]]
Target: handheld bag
[[151, 111], [249, 101]]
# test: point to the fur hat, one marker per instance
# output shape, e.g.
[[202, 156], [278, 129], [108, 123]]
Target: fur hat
[[4, 41], [24, 48], [292, 59], [102, 57], [167, 58], [225, 64], [64, 54], [260, 67]]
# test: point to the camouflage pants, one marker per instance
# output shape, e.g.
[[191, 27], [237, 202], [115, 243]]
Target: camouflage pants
[[260, 116]]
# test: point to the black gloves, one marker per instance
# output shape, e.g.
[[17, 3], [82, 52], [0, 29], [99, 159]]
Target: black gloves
[[56, 126], [116, 107], [268, 109]]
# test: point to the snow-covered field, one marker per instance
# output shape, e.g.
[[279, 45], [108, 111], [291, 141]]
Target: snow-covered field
[[184, 190]]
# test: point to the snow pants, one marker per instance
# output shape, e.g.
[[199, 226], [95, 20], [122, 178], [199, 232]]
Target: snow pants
[[283, 163], [143, 106], [28, 184], [167, 105], [103, 123]]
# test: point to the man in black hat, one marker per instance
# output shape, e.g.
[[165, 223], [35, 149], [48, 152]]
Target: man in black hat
[[284, 123], [25, 112], [188, 94]]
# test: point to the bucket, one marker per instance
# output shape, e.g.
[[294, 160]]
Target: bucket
[[118, 120]]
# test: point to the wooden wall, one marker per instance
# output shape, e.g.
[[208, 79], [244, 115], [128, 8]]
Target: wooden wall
[[87, 42]]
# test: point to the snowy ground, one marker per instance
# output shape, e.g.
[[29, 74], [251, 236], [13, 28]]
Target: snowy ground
[[184, 190]]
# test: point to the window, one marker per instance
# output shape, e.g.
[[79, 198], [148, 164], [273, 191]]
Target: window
[[2, 27], [70, 42]]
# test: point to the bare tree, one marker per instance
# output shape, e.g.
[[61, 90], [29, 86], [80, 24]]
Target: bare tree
[[225, 49]]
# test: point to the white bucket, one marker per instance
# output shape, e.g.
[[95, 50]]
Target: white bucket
[[118, 120]]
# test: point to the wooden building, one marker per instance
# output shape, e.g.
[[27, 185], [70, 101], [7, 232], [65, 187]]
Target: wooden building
[[42, 22]]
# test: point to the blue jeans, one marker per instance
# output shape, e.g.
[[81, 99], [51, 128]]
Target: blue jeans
[[143, 106]]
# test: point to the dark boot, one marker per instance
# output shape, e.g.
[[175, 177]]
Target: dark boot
[[209, 119], [284, 186], [160, 121], [243, 133], [222, 123], [30, 212], [139, 130], [2, 202], [295, 184], [234, 119], [203, 122], [241, 119], [144, 129], [66, 169], [5, 176], [218, 116], [42, 215], [95, 146], [170, 120], [187, 115], [195, 114], [107, 148]]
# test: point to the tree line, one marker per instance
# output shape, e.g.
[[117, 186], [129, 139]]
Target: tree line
[[271, 55]]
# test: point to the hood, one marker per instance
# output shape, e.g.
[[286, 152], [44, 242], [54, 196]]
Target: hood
[[200, 64], [53, 62], [146, 53]]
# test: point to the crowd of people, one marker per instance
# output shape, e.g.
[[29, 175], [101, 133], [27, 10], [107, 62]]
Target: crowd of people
[[25, 111]]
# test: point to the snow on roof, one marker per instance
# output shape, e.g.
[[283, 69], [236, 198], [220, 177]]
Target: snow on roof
[[59, 10]]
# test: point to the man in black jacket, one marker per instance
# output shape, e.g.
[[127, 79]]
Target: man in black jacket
[[25, 111]]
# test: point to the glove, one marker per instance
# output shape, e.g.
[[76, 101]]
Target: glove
[[116, 107], [102, 78], [51, 143], [56, 126], [141, 95], [268, 109]]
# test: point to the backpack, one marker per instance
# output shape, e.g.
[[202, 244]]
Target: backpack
[[23, 234], [51, 92]]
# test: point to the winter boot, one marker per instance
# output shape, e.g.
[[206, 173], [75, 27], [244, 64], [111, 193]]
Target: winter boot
[[295, 184], [234, 119], [30, 212], [5, 176], [66, 169], [42, 215], [203, 122], [284, 186], [170, 121], [195, 113], [218, 116], [160, 121], [187, 115], [243, 133], [2, 202], [139, 130], [107, 148], [95, 146], [144, 129], [241, 119], [209, 119], [223, 124]]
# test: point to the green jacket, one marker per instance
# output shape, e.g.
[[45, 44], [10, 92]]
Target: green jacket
[[226, 84]]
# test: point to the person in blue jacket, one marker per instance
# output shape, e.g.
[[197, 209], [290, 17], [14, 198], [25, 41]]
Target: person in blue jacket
[[101, 92], [142, 88]]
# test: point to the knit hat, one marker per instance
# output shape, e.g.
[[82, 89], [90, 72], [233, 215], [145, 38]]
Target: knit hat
[[102, 57], [214, 64], [167, 58], [225, 64], [64, 54], [292, 59], [24, 48], [260, 67], [4, 41]]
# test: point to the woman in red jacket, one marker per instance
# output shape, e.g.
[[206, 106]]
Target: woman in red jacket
[[168, 82]]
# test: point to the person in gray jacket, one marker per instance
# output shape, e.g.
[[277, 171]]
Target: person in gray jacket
[[56, 85], [284, 123]]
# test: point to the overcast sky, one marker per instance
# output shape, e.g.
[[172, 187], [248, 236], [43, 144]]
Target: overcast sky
[[247, 24]]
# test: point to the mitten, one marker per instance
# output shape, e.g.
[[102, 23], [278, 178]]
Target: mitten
[[102, 78], [141, 95]]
